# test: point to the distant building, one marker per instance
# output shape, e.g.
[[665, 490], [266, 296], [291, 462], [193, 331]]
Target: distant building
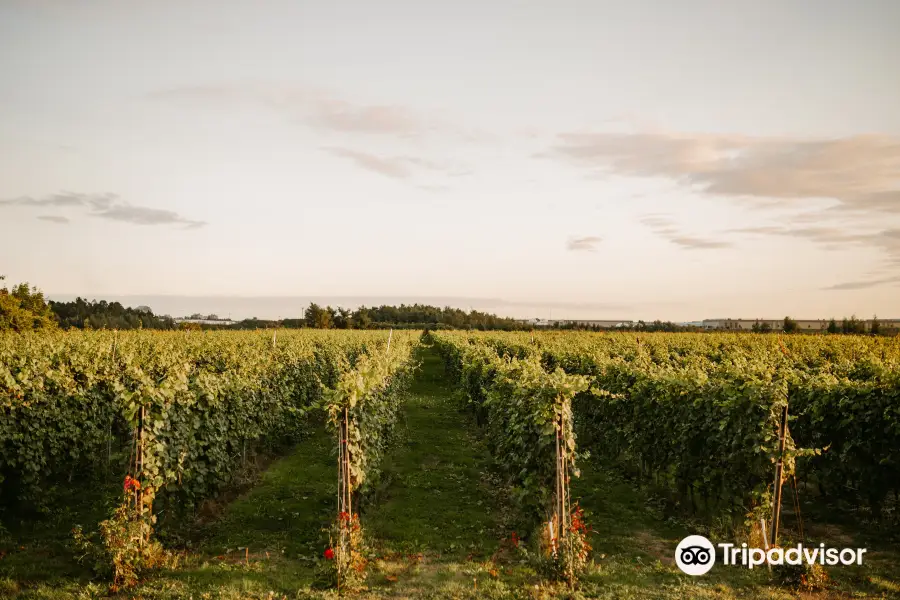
[[723, 324], [602, 324], [537, 322], [207, 321], [803, 325], [812, 325], [742, 324], [698, 324]]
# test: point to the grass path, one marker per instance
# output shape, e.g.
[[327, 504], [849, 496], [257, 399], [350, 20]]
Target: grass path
[[440, 498]]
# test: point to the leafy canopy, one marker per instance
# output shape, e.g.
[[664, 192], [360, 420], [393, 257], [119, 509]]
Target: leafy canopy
[[23, 308]]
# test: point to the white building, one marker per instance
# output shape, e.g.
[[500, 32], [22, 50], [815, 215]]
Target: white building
[[742, 324], [537, 322], [803, 325], [207, 321], [601, 323]]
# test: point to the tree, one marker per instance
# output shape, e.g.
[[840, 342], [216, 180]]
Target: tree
[[765, 327], [790, 325], [832, 326], [361, 319], [318, 317], [23, 308], [853, 325], [876, 326], [311, 314], [107, 315], [343, 319]]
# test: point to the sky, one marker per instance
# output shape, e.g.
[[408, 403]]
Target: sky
[[568, 159]]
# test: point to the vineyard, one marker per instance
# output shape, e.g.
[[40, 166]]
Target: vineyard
[[509, 461], [702, 412]]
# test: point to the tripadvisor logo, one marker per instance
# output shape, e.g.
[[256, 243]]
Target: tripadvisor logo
[[695, 555]]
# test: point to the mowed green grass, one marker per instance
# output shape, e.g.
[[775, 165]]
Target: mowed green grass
[[436, 526], [440, 496]]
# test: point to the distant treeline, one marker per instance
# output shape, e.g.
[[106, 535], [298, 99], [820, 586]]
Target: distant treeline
[[639, 326], [23, 308], [84, 314], [415, 316], [850, 326]]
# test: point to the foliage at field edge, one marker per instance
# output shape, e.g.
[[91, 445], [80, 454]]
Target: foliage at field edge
[[23, 308]]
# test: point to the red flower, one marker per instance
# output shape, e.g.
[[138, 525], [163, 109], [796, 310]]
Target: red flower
[[329, 553], [344, 516], [131, 483], [578, 523], [515, 539]]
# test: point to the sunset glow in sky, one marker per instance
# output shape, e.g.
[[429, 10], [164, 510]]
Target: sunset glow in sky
[[591, 159]]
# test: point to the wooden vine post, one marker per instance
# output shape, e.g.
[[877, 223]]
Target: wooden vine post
[[346, 505], [560, 521], [779, 466], [566, 529], [137, 468], [140, 456], [275, 331], [112, 418], [350, 394], [345, 494], [779, 471]]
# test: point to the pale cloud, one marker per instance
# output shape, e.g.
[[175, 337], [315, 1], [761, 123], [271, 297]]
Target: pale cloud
[[861, 172], [886, 241], [54, 219], [61, 199], [864, 285], [342, 116], [323, 111], [588, 243], [319, 109], [104, 205], [395, 167], [666, 228], [143, 215]]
